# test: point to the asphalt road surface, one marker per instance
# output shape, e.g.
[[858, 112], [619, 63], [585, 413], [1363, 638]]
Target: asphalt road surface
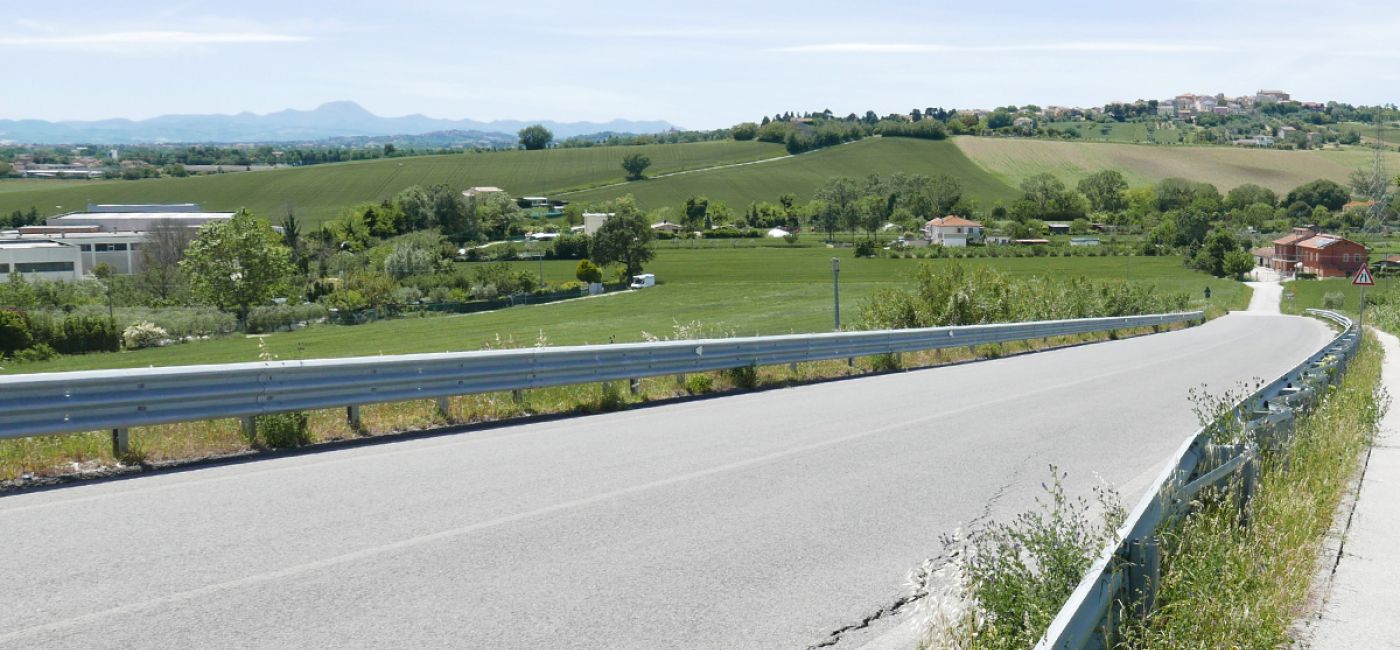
[[763, 520]]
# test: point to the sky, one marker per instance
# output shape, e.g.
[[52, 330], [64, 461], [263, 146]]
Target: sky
[[696, 64]]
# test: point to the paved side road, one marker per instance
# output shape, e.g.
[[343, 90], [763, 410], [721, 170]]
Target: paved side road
[[762, 520], [1363, 605]]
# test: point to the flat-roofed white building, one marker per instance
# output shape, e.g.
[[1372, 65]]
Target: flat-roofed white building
[[592, 221], [137, 221], [40, 259], [121, 251]]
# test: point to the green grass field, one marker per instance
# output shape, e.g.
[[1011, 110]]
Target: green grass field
[[1015, 159], [729, 291], [1126, 132], [321, 192], [803, 174]]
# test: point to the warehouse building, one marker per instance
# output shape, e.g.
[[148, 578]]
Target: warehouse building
[[39, 259]]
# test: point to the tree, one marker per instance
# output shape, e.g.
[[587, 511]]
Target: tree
[[1319, 192], [625, 237], [696, 209], [838, 198], [635, 164], [745, 130], [1244, 196], [535, 137], [452, 216], [1104, 190], [238, 263], [1238, 262], [160, 258], [1046, 197], [415, 208], [1211, 257]]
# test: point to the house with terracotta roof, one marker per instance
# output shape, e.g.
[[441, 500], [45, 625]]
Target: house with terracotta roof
[[952, 231], [1306, 250]]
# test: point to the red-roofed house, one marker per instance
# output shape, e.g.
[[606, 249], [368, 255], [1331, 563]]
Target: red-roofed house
[[1330, 256], [953, 231], [1306, 250], [1285, 258]]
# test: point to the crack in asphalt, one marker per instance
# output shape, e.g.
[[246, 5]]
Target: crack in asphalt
[[921, 576]]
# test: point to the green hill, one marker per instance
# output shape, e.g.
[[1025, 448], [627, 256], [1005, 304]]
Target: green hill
[[1015, 159], [320, 192], [803, 174]]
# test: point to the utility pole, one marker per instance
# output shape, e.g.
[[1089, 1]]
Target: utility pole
[[836, 289]]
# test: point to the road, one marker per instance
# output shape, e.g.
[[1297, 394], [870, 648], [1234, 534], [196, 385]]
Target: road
[[762, 520]]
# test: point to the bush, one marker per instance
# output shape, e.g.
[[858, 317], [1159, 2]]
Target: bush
[[1334, 300], [865, 248], [14, 332], [588, 272], [282, 430], [699, 383], [40, 352], [143, 335], [78, 334]]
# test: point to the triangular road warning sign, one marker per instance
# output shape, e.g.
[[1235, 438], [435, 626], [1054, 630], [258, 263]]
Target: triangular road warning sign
[[1363, 277]]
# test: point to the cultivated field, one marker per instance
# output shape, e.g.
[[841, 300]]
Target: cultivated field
[[320, 192], [739, 291], [803, 174], [1132, 132], [1013, 160]]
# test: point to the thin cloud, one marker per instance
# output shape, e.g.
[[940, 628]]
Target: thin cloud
[[933, 48], [150, 38]]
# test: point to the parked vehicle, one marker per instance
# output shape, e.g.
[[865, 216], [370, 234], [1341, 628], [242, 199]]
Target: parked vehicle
[[643, 281]]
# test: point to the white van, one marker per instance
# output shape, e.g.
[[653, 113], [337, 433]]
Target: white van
[[643, 281]]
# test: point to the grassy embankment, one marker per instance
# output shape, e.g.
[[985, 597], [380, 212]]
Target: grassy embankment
[[1015, 159], [714, 292]]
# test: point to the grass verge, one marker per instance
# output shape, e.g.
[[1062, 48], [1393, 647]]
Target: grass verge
[[1222, 585], [1227, 586]]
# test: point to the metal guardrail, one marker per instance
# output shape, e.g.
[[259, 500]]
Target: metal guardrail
[[1124, 578], [115, 400]]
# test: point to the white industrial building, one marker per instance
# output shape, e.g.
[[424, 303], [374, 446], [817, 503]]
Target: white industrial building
[[139, 218], [39, 259], [75, 243]]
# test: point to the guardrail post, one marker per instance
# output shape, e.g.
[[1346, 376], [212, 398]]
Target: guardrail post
[[634, 386], [249, 424], [1249, 477], [680, 380], [1143, 571], [444, 407], [352, 417], [121, 442], [517, 396]]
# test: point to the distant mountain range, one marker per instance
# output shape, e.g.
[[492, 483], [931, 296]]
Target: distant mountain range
[[332, 120]]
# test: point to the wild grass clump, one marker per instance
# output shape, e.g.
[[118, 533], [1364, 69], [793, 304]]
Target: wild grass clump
[[743, 377], [699, 383], [1019, 574], [1228, 586], [282, 430], [887, 362]]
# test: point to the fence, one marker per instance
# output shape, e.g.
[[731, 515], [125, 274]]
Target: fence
[[115, 400], [1124, 578]]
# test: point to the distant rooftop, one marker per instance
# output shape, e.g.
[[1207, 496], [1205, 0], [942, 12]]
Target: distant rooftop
[[126, 216], [147, 207], [30, 243]]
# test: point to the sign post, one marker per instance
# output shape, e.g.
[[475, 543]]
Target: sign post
[[1363, 279]]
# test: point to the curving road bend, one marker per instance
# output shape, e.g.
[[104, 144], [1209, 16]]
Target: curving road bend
[[763, 520]]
